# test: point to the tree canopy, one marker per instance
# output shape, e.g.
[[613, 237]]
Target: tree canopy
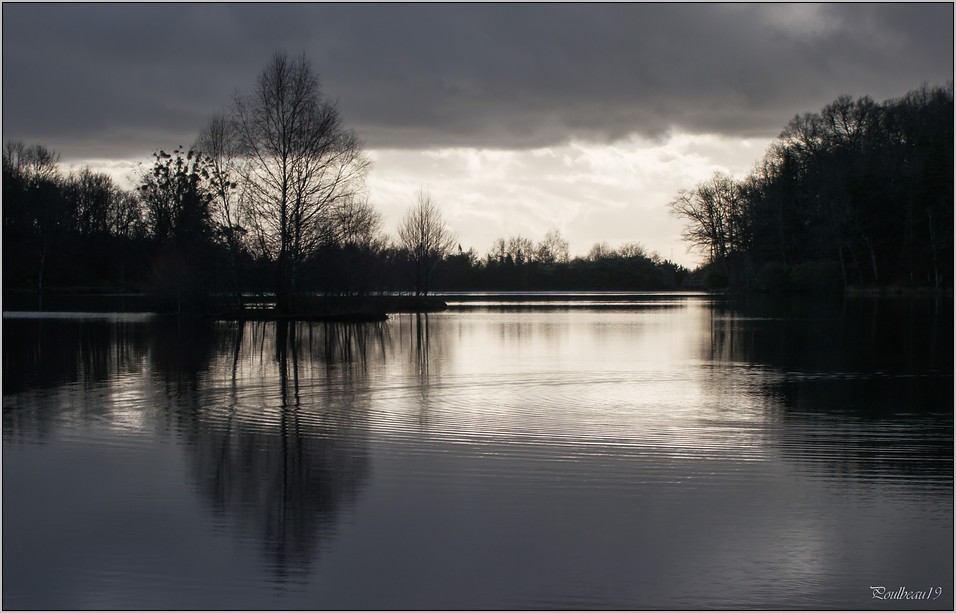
[[857, 194]]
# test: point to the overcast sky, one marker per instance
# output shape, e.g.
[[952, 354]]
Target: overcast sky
[[518, 118]]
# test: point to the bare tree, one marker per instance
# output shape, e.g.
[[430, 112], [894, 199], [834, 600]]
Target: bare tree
[[35, 163], [126, 216], [219, 144], [553, 249], [299, 162], [499, 251], [632, 250], [355, 222], [521, 250], [710, 210], [424, 234], [355, 237], [600, 251], [92, 196], [126, 223], [32, 185]]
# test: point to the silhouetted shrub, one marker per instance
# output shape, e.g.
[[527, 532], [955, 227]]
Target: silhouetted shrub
[[774, 277], [816, 277]]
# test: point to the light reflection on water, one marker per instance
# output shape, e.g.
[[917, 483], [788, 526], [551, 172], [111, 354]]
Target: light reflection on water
[[682, 453]]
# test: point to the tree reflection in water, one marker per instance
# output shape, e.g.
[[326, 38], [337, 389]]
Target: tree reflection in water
[[272, 416], [278, 435], [857, 368], [734, 441], [65, 357], [415, 334]]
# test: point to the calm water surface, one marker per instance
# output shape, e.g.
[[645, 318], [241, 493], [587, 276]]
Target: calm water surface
[[663, 452]]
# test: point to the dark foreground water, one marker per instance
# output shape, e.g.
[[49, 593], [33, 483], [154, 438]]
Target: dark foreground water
[[670, 452]]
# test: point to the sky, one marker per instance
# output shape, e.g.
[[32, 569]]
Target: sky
[[517, 118]]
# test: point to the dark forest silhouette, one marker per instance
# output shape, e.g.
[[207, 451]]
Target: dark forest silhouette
[[860, 194]]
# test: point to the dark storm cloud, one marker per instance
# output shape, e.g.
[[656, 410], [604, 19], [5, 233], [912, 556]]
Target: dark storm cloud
[[114, 80]]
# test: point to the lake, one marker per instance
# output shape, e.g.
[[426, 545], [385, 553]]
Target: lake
[[652, 452]]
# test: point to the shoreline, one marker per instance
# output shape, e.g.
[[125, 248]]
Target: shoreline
[[372, 308]]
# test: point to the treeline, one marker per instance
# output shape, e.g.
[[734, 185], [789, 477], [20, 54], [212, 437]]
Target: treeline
[[859, 194], [270, 199], [65, 229], [169, 237], [519, 264]]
